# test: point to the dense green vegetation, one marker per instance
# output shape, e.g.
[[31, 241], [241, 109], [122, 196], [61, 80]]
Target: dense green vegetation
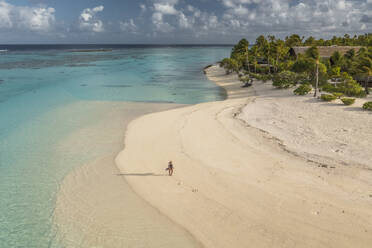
[[345, 85], [367, 106], [284, 79], [303, 89], [338, 95], [328, 97], [272, 58], [348, 101]]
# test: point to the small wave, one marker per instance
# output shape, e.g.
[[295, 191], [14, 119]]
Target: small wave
[[3, 51]]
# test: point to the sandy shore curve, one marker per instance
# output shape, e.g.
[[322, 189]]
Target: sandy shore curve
[[236, 185], [95, 207]]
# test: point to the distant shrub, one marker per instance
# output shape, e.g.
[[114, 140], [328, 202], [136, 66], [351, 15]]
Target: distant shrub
[[338, 94], [353, 89], [302, 78], [348, 101], [328, 98], [302, 64], [331, 88], [261, 77], [254, 75], [347, 86], [303, 89], [230, 65], [266, 77], [367, 106], [246, 80], [284, 80], [262, 69]]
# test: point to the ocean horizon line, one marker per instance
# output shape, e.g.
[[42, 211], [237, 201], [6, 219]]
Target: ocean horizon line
[[113, 44], [32, 47]]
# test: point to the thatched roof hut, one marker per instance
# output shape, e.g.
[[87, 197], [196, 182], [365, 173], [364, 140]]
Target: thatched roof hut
[[324, 51]]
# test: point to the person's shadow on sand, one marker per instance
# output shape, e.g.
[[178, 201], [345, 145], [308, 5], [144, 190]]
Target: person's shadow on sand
[[142, 174]]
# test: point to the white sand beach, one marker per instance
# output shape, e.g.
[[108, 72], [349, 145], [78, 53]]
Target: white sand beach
[[263, 168], [95, 206], [328, 133]]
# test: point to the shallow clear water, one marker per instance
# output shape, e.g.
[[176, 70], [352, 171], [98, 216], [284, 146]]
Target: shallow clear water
[[36, 88]]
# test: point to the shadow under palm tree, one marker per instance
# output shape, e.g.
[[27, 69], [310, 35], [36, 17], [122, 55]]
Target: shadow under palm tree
[[142, 174]]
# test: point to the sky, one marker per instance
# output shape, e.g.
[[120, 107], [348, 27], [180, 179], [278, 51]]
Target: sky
[[177, 21]]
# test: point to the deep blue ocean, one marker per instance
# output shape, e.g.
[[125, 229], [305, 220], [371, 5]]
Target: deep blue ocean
[[39, 82]]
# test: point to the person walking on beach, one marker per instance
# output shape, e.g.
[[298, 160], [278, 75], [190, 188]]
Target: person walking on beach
[[170, 168]]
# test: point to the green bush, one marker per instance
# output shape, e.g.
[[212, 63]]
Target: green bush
[[328, 98], [331, 88], [302, 64], [348, 101], [266, 77], [284, 80], [262, 69], [261, 77], [347, 86], [353, 89], [244, 79], [303, 89], [302, 78], [367, 106], [338, 94], [230, 65]]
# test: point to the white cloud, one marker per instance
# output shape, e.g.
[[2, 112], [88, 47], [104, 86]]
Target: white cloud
[[161, 8], [26, 18], [88, 20], [250, 18], [165, 9], [5, 19], [143, 7], [308, 17], [37, 19], [129, 26], [178, 19], [239, 10], [157, 17], [341, 5], [160, 25], [170, 2], [212, 21], [234, 3], [184, 21]]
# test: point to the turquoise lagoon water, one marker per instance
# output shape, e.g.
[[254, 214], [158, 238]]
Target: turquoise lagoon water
[[37, 82]]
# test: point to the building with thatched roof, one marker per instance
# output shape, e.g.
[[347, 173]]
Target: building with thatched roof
[[324, 51]]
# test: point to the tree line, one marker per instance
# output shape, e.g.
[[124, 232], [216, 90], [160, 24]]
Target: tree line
[[270, 58]]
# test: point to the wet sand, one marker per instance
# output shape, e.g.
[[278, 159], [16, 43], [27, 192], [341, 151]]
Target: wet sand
[[95, 206]]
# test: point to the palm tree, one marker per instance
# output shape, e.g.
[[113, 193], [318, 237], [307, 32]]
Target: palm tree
[[310, 41], [270, 49], [247, 56], [350, 54], [254, 52], [280, 51], [365, 69], [313, 54], [262, 46], [293, 40], [240, 52], [317, 77]]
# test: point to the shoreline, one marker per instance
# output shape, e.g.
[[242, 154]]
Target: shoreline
[[234, 185], [96, 207]]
